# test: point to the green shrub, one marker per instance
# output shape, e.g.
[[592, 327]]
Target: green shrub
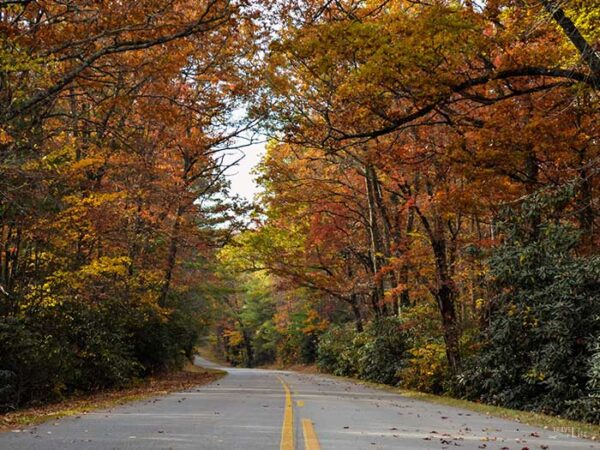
[[425, 368], [383, 352], [163, 342], [264, 343], [72, 346], [29, 367], [332, 345], [376, 354], [66, 348], [95, 349], [588, 407], [537, 353]]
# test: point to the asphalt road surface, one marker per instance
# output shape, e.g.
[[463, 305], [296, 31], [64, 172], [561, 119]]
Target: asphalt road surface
[[265, 409]]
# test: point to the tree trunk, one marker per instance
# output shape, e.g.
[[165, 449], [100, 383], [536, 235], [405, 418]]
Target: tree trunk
[[586, 201], [586, 51], [358, 322], [446, 296], [444, 291], [171, 258], [378, 249], [248, 347], [404, 275]]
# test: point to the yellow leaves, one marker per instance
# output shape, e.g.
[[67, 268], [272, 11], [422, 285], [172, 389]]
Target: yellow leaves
[[55, 160], [84, 217], [94, 282], [480, 303], [586, 15], [107, 266], [314, 322], [103, 267], [235, 337], [94, 200], [359, 67], [14, 58], [42, 295], [425, 352], [85, 163], [425, 367], [534, 374]]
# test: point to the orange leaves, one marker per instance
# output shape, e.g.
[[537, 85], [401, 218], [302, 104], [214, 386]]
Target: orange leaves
[[113, 113], [5, 138], [314, 323]]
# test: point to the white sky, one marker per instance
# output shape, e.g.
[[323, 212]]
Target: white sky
[[242, 181]]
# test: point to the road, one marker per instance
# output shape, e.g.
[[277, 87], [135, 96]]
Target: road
[[252, 409]]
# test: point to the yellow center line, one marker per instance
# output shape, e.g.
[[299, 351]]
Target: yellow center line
[[311, 442], [287, 429]]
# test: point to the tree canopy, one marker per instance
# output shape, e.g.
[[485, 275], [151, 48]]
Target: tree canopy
[[428, 214]]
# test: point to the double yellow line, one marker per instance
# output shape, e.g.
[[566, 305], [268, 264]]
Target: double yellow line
[[311, 442]]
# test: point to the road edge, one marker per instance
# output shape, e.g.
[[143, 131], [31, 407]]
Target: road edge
[[77, 406], [558, 424]]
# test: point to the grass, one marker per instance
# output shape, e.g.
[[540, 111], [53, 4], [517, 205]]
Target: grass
[[187, 378], [555, 423]]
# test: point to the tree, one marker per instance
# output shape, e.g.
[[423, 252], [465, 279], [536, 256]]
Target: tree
[[114, 118]]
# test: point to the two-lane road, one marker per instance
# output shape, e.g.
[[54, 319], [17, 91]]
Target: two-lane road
[[263, 409]]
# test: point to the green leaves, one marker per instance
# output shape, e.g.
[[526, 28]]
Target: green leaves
[[539, 347]]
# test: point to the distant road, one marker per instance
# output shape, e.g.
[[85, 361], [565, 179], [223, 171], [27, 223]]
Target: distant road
[[252, 409]]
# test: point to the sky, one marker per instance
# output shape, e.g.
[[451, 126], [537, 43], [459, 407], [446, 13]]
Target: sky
[[242, 180]]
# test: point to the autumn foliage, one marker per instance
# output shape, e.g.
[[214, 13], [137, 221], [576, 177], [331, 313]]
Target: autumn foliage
[[113, 119], [435, 163], [428, 215]]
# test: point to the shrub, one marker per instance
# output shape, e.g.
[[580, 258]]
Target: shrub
[[95, 350], [376, 354], [70, 345], [537, 352], [588, 407], [29, 368], [66, 348], [332, 345], [383, 352], [426, 368], [164, 341]]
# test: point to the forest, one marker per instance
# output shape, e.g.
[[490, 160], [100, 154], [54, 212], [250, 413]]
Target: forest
[[428, 214]]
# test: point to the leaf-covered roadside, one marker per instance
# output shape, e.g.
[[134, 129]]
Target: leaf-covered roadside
[[177, 381], [576, 428]]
